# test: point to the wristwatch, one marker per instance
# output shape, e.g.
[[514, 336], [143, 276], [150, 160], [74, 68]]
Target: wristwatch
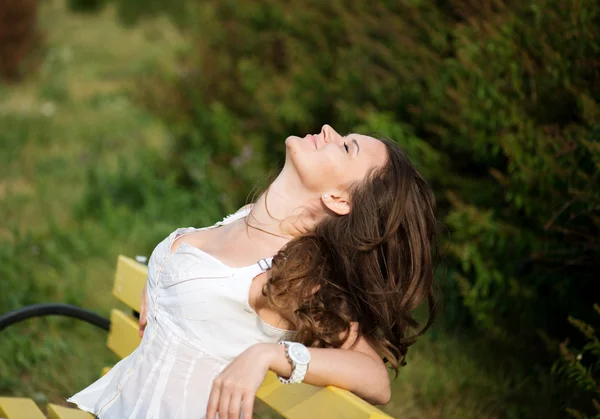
[[299, 356]]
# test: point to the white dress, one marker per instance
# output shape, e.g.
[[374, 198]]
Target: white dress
[[199, 320]]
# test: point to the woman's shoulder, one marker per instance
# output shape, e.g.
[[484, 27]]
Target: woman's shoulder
[[179, 231], [241, 213]]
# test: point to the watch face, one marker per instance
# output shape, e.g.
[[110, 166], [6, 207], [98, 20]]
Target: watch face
[[299, 354]]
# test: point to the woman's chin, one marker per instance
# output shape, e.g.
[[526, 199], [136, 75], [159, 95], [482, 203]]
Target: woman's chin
[[291, 140]]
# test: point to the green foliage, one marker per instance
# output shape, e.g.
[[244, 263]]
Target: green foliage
[[581, 367], [132, 11], [133, 197], [54, 75], [495, 105], [87, 6], [98, 178], [497, 102]]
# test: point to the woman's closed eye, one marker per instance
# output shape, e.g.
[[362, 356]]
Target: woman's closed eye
[[347, 148]]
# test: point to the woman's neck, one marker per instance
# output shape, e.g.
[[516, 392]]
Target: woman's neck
[[285, 209]]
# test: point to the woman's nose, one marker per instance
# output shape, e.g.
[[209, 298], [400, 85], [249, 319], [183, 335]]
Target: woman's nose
[[329, 134]]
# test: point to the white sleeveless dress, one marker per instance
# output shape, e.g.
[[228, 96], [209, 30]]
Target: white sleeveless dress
[[199, 320]]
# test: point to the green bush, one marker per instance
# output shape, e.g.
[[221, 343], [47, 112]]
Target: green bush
[[135, 196], [496, 102], [498, 108], [581, 367], [87, 6]]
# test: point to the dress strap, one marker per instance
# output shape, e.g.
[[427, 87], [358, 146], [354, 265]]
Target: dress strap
[[265, 264]]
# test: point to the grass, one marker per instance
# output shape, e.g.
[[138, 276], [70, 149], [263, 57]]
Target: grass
[[71, 119], [76, 113], [79, 185]]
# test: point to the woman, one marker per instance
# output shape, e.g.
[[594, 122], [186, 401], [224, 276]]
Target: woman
[[351, 224]]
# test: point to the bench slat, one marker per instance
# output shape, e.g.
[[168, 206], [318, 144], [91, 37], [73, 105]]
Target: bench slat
[[331, 402], [19, 408], [282, 397], [130, 279], [123, 336], [299, 401], [60, 412]]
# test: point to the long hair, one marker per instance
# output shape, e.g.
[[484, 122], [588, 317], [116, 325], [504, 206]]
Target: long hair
[[373, 266]]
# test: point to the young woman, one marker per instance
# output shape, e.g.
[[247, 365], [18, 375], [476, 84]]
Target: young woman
[[351, 226]]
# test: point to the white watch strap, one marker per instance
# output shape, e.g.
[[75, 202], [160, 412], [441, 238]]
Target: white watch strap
[[298, 370], [298, 373]]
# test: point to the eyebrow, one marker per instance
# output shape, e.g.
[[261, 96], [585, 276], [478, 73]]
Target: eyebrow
[[357, 146]]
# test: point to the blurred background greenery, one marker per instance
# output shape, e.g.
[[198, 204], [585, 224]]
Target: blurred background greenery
[[121, 120]]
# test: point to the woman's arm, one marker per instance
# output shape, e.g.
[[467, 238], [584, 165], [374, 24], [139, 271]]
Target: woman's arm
[[359, 370]]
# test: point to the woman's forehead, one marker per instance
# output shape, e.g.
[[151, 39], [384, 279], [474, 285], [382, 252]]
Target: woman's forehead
[[361, 137], [370, 146]]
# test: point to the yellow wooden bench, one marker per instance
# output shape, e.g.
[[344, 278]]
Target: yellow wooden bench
[[296, 401], [22, 408]]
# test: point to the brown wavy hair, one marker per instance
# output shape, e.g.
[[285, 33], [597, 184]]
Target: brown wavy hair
[[373, 266]]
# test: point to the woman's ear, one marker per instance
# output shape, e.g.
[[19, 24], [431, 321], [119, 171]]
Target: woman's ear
[[336, 203]]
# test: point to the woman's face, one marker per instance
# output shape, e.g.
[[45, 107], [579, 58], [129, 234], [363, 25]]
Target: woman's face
[[328, 162]]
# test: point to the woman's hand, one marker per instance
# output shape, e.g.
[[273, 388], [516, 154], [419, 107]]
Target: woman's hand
[[233, 390], [144, 310]]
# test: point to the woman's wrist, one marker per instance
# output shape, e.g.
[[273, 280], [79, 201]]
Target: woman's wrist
[[277, 359]]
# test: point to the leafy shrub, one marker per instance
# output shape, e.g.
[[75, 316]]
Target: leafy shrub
[[582, 367], [135, 196], [86, 5], [497, 107], [496, 101]]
